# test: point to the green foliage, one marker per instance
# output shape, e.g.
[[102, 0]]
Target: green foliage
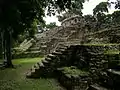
[[51, 25], [64, 5], [33, 29], [113, 18], [77, 6], [108, 19], [18, 15], [112, 52], [100, 8], [89, 18], [75, 9], [116, 17]]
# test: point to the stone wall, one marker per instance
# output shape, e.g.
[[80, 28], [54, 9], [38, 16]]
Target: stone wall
[[98, 59], [95, 59], [106, 35]]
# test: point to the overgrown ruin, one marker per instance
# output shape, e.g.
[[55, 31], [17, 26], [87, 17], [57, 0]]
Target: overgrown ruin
[[77, 62]]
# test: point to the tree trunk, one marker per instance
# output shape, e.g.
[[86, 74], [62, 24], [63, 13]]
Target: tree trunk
[[7, 49], [3, 48]]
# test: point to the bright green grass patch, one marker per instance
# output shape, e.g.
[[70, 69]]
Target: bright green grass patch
[[107, 51], [108, 44], [112, 52], [75, 71], [27, 60], [15, 79]]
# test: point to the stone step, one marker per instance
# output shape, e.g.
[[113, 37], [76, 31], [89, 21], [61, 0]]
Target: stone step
[[48, 59], [103, 61], [32, 70], [41, 64], [96, 87], [60, 50], [36, 66], [51, 56], [56, 53], [28, 75], [91, 64], [34, 49], [38, 63], [65, 47], [45, 62]]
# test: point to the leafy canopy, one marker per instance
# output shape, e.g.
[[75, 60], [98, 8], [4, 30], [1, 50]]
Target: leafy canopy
[[100, 8], [51, 25], [18, 15]]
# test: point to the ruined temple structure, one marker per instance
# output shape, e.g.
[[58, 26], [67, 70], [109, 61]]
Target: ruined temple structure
[[74, 30], [74, 63], [71, 31]]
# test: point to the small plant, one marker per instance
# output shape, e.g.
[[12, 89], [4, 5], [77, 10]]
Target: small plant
[[75, 71], [112, 52]]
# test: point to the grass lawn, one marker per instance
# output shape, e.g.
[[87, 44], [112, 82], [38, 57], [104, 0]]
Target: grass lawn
[[14, 79]]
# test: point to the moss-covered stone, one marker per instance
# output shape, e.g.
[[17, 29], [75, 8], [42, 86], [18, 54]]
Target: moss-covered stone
[[75, 71]]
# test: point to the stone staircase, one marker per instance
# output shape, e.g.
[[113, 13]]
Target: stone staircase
[[24, 50], [25, 45], [102, 77], [48, 65], [32, 52], [48, 41]]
